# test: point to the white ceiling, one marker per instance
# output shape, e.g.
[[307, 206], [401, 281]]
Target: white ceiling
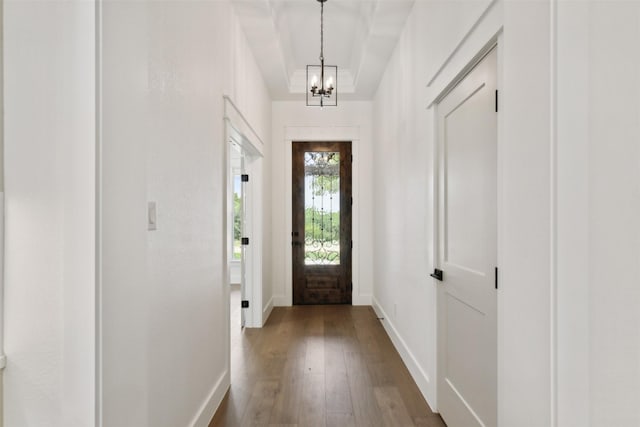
[[359, 37]]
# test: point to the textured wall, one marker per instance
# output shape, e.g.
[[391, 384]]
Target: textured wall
[[166, 67], [598, 210], [50, 213]]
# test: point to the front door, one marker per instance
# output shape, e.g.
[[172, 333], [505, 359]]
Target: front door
[[467, 326], [321, 235]]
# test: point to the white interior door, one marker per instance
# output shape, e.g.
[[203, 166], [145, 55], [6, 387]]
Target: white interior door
[[467, 197]]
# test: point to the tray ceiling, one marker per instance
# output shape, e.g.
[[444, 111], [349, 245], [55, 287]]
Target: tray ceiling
[[360, 36]]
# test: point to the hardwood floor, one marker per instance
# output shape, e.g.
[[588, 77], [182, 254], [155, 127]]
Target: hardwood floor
[[331, 365]]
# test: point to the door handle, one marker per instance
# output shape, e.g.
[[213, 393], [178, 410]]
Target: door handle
[[296, 244], [437, 274]]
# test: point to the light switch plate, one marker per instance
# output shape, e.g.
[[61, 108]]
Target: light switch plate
[[151, 217]]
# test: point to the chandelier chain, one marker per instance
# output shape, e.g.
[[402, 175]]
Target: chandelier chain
[[321, 31]]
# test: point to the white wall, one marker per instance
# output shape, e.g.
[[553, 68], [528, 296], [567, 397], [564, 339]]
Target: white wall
[[524, 313], [598, 209], [403, 240], [347, 121], [2, 362], [1, 98], [2, 188], [614, 214], [166, 66], [49, 59], [422, 66], [248, 90]]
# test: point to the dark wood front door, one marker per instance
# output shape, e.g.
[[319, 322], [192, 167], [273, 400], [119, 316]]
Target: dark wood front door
[[321, 236]]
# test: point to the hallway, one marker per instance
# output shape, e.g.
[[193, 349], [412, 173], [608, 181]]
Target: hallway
[[330, 365], [116, 123]]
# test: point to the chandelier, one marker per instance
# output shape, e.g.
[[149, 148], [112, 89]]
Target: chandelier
[[322, 90]]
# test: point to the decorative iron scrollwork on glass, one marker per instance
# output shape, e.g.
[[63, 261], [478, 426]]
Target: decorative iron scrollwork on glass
[[322, 208]]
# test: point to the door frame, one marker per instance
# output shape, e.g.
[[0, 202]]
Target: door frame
[[239, 266], [322, 134], [495, 42], [239, 131]]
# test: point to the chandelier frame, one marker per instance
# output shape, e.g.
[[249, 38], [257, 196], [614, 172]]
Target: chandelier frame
[[323, 93]]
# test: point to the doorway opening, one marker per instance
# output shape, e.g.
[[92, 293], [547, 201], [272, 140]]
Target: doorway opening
[[322, 222], [243, 218], [243, 211]]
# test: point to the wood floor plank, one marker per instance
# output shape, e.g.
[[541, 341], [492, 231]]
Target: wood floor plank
[[432, 421], [365, 407], [294, 323], [314, 356], [350, 341], [381, 374], [279, 337], [369, 346], [411, 396], [340, 419], [287, 403], [393, 410], [338, 395], [312, 408], [269, 367], [261, 404], [338, 392]]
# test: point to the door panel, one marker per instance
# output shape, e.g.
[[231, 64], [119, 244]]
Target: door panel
[[467, 328], [321, 236]]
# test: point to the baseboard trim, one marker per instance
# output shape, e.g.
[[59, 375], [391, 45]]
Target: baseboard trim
[[266, 311], [361, 300], [281, 301], [415, 369], [211, 404]]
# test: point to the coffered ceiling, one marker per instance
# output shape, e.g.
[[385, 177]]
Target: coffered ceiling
[[359, 37]]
